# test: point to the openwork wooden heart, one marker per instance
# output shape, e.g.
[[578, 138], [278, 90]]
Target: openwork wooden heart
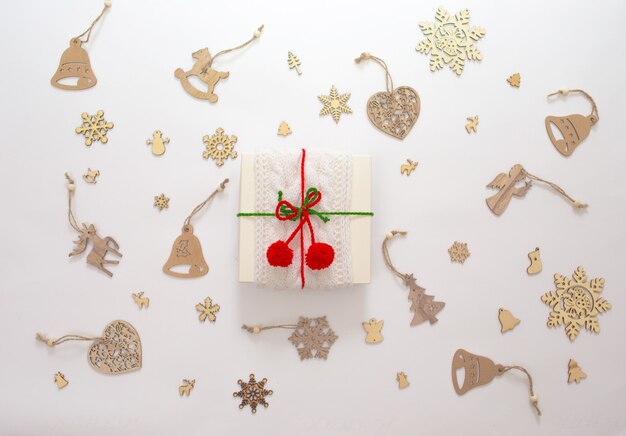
[[394, 113], [117, 351]]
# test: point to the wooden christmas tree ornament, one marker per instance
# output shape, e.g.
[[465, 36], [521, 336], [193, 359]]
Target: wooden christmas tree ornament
[[424, 306], [60, 380], [186, 250], [99, 246], [535, 266], [283, 129], [142, 302], [207, 310], [576, 303], [373, 329], [186, 387], [335, 104], [507, 320], [294, 62], [574, 128], [394, 111], [312, 337], [408, 167], [402, 380], [480, 370], [574, 373], [74, 66], [203, 70], [252, 393], [91, 176], [507, 186], [158, 143], [515, 80], [117, 351]]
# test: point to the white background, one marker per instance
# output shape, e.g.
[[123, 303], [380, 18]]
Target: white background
[[134, 52]]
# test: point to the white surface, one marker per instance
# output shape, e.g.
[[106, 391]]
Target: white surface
[[134, 53]]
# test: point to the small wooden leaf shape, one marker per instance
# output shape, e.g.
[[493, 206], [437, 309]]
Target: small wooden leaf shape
[[472, 125], [479, 370], [394, 113], [373, 329], [207, 310], [498, 202], [535, 266], [283, 129], [117, 351], [186, 251], [186, 387], [515, 80], [74, 64], [575, 374], [142, 302], [91, 175], [59, 379], [402, 380], [158, 143], [202, 70], [507, 320], [293, 62]]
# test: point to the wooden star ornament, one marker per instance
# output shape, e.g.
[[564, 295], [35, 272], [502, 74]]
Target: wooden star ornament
[[335, 104]]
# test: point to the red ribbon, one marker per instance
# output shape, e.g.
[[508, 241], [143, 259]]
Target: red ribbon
[[308, 201]]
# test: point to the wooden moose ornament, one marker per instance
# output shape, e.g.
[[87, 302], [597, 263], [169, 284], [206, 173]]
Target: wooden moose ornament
[[117, 351], [186, 250], [393, 111], [480, 370], [74, 64], [424, 306], [203, 70], [99, 246], [507, 188], [572, 128]]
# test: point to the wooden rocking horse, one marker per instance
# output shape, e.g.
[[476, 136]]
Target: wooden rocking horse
[[201, 69]]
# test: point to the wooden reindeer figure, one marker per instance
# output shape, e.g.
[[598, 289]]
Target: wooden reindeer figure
[[408, 168], [506, 185], [99, 248], [203, 70], [186, 388], [472, 125], [141, 300]]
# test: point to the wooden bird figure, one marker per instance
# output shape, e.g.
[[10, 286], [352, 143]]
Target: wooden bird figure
[[507, 320], [373, 328], [506, 184], [575, 374]]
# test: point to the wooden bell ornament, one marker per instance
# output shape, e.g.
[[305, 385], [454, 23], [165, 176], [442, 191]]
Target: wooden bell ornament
[[572, 128], [186, 250], [74, 63], [480, 370]]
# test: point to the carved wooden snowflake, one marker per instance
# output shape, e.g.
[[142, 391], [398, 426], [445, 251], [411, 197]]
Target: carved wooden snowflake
[[252, 393], [458, 252], [207, 310], [576, 303], [450, 40], [313, 338], [219, 147], [335, 104], [94, 128], [161, 201]]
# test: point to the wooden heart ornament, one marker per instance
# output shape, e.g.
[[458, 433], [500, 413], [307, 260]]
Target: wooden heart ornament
[[117, 351], [394, 112]]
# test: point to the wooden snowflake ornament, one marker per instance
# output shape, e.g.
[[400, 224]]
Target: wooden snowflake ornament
[[94, 128], [335, 104], [450, 40], [161, 202], [219, 146], [252, 393], [207, 310], [576, 303], [313, 338], [458, 252]]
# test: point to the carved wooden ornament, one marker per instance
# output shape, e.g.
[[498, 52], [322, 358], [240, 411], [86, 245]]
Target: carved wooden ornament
[[186, 387], [373, 329], [507, 320], [401, 378], [60, 380], [142, 302], [158, 143], [187, 252], [252, 393], [535, 266], [117, 351], [574, 373]]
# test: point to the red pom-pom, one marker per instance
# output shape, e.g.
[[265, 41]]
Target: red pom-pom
[[279, 254], [319, 256]]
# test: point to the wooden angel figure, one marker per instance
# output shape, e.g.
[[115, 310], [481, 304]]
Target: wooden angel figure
[[506, 185]]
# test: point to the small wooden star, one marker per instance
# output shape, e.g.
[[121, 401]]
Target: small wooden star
[[161, 201], [335, 104], [207, 310]]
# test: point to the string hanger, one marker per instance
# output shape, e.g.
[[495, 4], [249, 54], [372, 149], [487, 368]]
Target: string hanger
[[199, 207], [54, 342], [575, 203], [258, 329], [388, 80], [70, 193], [255, 35], [594, 117], [107, 5], [386, 256], [534, 399]]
